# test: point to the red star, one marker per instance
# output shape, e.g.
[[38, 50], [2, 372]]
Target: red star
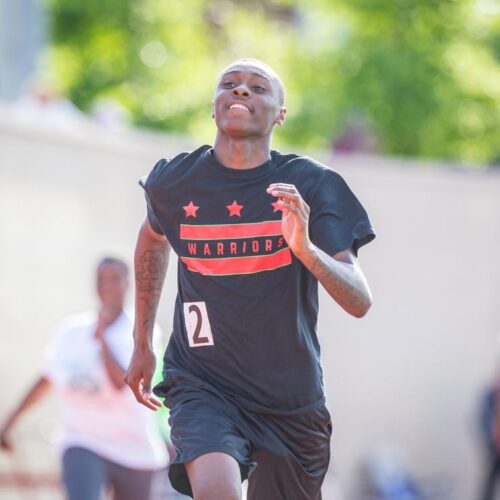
[[234, 209], [278, 205], [191, 209]]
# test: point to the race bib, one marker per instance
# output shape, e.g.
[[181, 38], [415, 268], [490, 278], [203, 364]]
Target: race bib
[[197, 324]]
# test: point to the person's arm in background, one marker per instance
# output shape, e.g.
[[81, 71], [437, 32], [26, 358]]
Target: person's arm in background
[[113, 368], [150, 265], [34, 394]]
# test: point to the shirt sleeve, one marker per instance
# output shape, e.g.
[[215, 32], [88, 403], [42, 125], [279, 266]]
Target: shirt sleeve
[[147, 183], [153, 221], [337, 219]]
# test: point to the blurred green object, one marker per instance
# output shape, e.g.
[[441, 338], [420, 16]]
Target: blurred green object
[[163, 412], [417, 77]]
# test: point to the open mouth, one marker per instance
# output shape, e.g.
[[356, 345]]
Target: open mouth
[[239, 105]]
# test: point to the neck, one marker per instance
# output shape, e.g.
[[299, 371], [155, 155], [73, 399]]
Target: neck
[[114, 312], [241, 153]]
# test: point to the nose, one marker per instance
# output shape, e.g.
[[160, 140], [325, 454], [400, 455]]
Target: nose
[[241, 90]]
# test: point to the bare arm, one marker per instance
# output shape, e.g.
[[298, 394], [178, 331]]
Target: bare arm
[[341, 274], [113, 368], [35, 393], [342, 278], [150, 263]]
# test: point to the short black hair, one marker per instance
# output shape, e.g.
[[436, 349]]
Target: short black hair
[[113, 261]]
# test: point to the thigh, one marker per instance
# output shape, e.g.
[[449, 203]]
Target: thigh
[[202, 424], [281, 477], [130, 484], [83, 474], [215, 476], [292, 455]]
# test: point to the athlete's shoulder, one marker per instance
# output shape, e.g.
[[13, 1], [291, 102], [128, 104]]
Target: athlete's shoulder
[[306, 171], [167, 166], [300, 162]]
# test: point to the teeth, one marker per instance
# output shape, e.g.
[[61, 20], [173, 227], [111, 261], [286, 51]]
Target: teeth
[[239, 106]]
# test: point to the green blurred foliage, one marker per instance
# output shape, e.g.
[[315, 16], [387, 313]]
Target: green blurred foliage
[[423, 76]]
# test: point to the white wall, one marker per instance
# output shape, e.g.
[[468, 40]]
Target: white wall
[[407, 375]]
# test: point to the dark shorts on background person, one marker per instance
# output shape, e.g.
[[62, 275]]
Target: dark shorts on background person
[[284, 457], [87, 475]]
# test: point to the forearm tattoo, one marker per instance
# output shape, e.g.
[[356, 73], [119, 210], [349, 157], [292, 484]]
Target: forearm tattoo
[[345, 286], [150, 272]]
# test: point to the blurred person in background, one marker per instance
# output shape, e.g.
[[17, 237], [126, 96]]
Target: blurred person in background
[[357, 136], [489, 420], [107, 439], [42, 102], [386, 476]]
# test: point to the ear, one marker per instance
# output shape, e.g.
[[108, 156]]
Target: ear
[[281, 116], [213, 110]]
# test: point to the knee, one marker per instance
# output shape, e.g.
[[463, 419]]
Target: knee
[[214, 476], [217, 492]]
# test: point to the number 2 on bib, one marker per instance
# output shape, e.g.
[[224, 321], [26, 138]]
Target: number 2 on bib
[[197, 325]]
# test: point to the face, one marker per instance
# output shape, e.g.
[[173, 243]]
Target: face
[[112, 285], [247, 101]]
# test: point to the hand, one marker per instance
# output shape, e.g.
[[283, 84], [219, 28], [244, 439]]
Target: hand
[[295, 219], [105, 317], [5, 441], [139, 375]]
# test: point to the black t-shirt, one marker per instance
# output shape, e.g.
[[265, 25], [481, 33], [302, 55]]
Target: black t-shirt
[[246, 310]]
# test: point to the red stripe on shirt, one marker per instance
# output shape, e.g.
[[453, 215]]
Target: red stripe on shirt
[[229, 231], [239, 265]]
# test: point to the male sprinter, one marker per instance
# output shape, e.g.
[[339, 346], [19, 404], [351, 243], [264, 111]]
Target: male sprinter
[[255, 230]]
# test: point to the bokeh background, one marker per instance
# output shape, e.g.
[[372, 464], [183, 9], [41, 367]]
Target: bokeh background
[[402, 97]]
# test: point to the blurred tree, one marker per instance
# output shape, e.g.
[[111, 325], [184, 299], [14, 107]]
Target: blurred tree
[[421, 76]]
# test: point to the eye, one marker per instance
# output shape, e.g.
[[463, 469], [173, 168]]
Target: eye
[[259, 88], [227, 84]]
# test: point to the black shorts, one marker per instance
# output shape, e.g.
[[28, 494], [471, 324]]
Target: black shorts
[[284, 457]]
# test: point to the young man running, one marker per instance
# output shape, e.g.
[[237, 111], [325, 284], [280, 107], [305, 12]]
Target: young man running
[[255, 230]]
